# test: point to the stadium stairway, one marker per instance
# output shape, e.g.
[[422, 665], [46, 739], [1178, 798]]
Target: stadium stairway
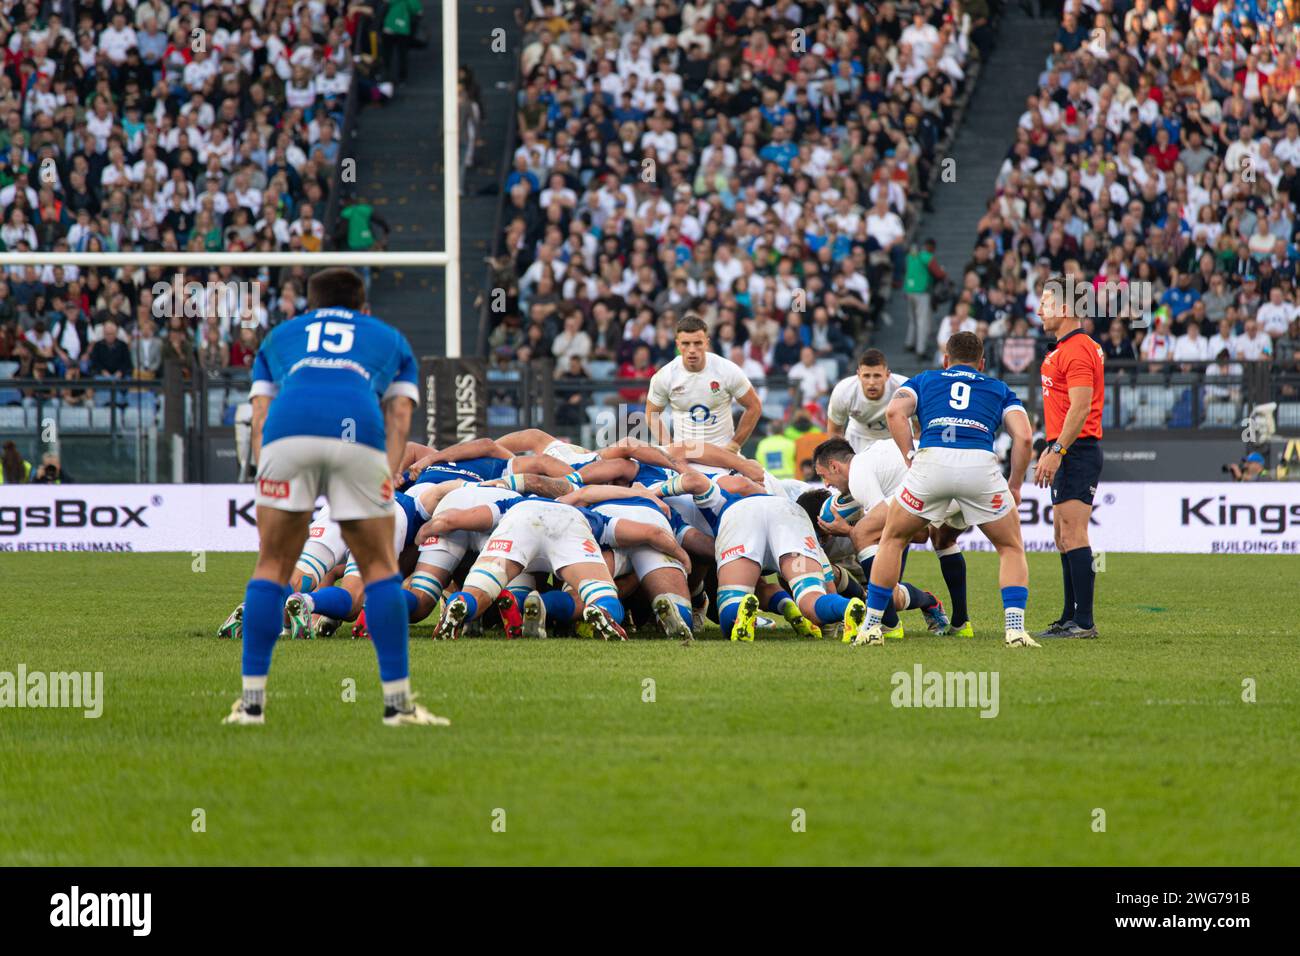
[[400, 172], [985, 132]]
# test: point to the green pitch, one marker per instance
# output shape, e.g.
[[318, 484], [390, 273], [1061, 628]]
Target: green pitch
[[555, 742]]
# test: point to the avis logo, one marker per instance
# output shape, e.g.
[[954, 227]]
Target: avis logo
[[732, 552], [268, 488], [318, 531], [499, 545], [911, 500]]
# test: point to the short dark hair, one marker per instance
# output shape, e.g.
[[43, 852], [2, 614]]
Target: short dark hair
[[691, 322], [811, 502], [336, 288], [965, 348], [873, 357], [832, 449]]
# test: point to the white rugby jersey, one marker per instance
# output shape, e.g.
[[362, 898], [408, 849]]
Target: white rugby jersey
[[863, 419], [700, 401]]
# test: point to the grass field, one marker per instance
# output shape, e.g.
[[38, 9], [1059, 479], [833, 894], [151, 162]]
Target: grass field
[[1147, 724]]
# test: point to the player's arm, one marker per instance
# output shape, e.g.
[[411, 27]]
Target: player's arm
[[1050, 461], [834, 429], [654, 421], [532, 484], [638, 534], [413, 454], [704, 453], [898, 416], [591, 495], [753, 407], [634, 449], [260, 406], [1016, 422], [397, 425], [432, 495], [473, 448], [478, 518]]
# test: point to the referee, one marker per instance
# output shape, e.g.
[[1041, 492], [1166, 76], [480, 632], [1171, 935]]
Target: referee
[[1073, 394]]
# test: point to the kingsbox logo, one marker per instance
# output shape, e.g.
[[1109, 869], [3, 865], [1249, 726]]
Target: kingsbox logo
[[70, 513], [1217, 512]]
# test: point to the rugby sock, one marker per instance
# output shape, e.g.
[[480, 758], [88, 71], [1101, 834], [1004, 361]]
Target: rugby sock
[[848, 586], [866, 557], [332, 602], [470, 602], [612, 605], [878, 601], [830, 608], [386, 619], [777, 602], [952, 563], [263, 618], [683, 606], [521, 593], [1067, 609], [729, 599], [1083, 577], [560, 606], [918, 600], [412, 604], [1014, 600]]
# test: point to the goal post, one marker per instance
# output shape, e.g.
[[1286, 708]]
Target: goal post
[[448, 259]]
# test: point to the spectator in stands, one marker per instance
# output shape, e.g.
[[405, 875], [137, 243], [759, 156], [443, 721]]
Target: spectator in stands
[[572, 342], [110, 357], [244, 348], [639, 368], [1191, 347], [569, 411], [959, 321], [808, 382], [146, 349], [1019, 349], [1275, 315], [51, 471], [1117, 346], [1252, 345]]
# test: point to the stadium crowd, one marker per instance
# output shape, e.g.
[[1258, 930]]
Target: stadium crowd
[[1159, 157], [757, 164], [149, 126]]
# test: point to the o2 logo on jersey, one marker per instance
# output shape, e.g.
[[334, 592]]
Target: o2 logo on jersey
[[589, 546], [272, 489], [499, 545], [701, 414]]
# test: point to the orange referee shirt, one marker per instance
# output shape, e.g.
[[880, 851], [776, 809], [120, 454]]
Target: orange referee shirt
[[1076, 361]]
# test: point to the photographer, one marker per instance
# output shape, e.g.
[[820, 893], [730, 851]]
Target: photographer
[[1250, 468], [51, 472]]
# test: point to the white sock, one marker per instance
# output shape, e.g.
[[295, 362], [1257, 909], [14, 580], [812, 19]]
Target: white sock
[[254, 691], [397, 693], [1015, 618]]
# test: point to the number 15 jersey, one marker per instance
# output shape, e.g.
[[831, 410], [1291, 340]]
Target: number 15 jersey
[[959, 407], [329, 371]]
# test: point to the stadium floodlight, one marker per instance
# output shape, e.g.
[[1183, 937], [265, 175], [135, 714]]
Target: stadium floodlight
[[448, 259]]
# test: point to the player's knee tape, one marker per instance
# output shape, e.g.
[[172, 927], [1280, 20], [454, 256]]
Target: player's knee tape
[[481, 579], [574, 479], [514, 482], [427, 584], [869, 552], [592, 590], [828, 574], [351, 568], [313, 571], [808, 585]]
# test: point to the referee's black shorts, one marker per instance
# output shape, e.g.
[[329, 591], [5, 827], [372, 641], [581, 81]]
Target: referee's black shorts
[[1076, 479]]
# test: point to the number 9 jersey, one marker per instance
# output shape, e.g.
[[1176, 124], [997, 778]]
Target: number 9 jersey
[[329, 370], [959, 407]]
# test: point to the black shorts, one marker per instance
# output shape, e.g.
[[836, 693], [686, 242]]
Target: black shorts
[[1076, 479]]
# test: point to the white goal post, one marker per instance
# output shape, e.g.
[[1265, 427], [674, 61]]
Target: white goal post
[[448, 259]]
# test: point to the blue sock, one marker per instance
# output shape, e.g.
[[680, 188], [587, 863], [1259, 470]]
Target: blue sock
[[953, 567], [470, 602], [1082, 577], [412, 604], [332, 602], [1014, 600], [852, 589], [879, 598], [683, 606], [613, 606], [559, 606], [776, 603], [918, 599], [890, 617], [263, 618], [386, 619], [830, 608], [521, 595]]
